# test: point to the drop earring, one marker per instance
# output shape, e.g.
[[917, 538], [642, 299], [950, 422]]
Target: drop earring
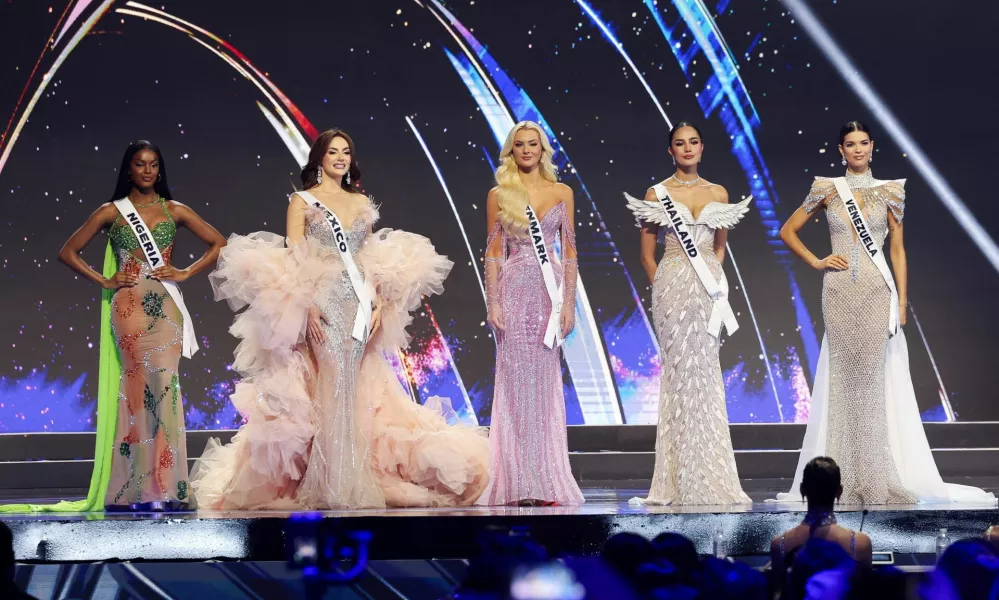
[[348, 177], [844, 161], [870, 159], [673, 158], [319, 175]]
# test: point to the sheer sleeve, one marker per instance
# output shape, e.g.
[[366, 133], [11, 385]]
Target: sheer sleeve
[[495, 257], [823, 189], [894, 195], [569, 263]]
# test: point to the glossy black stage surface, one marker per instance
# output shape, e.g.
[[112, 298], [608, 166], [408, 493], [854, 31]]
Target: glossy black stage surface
[[404, 534]]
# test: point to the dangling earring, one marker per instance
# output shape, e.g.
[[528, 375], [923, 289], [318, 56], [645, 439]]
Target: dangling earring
[[319, 175], [159, 177], [844, 161], [870, 159], [673, 158], [348, 177]]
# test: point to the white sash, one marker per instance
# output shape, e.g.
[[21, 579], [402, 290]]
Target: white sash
[[553, 333], [721, 310], [363, 318], [856, 217], [155, 260]]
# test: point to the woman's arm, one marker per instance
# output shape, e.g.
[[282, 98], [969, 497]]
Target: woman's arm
[[570, 265], [898, 261], [789, 235], [494, 261], [295, 220], [650, 233], [185, 216], [721, 235], [70, 252]]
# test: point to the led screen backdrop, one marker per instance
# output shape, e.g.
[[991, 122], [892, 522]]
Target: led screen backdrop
[[234, 93]]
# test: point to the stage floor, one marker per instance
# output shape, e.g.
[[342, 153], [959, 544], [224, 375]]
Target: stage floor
[[440, 533]]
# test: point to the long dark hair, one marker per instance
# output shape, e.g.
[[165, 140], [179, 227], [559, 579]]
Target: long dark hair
[[310, 172], [851, 127], [125, 185]]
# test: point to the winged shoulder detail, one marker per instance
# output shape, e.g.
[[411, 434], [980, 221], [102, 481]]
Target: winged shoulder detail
[[723, 216], [716, 215], [647, 212]]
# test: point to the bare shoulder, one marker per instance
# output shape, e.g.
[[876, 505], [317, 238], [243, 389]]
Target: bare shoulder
[[718, 193], [177, 207], [563, 191], [105, 214], [297, 198], [863, 540], [650, 195]]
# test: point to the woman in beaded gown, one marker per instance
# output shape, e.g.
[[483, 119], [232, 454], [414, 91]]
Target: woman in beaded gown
[[528, 449], [695, 463], [328, 424], [140, 458], [863, 409]]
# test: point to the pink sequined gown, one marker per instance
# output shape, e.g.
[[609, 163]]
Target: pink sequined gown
[[528, 450]]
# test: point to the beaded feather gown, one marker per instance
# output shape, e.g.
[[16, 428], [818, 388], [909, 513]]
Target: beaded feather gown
[[695, 463]]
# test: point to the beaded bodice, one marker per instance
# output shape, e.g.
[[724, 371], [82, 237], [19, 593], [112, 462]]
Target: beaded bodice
[[123, 240]]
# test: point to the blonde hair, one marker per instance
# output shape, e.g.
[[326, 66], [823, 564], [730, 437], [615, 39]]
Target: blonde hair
[[511, 194]]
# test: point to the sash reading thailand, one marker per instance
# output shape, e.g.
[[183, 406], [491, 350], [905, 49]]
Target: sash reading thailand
[[553, 333], [363, 318], [154, 257], [721, 310], [872, 247]]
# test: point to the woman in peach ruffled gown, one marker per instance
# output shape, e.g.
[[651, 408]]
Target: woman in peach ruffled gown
[[328, 424]]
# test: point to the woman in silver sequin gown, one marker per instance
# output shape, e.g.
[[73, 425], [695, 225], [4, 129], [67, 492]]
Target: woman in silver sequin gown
[[863, 410], [528, 448], [328, 423], [695, 463]]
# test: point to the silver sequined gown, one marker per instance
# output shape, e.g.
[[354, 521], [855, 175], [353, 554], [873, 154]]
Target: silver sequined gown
[[855, 306], [695, 463]]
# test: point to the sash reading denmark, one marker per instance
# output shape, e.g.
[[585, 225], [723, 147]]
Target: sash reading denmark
[[553, 333], [363, 318], [154, 257], [872, 247], [721, 310]]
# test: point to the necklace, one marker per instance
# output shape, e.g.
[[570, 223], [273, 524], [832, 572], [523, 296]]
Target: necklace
[[819, 519], [147, 204], [860, 180], [686, 183]]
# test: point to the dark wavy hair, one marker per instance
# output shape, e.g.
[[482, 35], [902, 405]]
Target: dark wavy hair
[[680, 125], [851, 127], [125, 185], [310, 172]]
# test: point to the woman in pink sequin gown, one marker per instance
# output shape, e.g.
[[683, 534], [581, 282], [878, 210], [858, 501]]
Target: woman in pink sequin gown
[[529, 454]]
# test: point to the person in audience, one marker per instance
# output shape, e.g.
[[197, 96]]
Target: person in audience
[[816, 556], [679, 551], [821, 487], [625, 553], [730, 581], [972, 566]]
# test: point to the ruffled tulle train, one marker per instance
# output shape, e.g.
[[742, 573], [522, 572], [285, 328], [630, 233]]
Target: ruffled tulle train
[[410, 455]]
